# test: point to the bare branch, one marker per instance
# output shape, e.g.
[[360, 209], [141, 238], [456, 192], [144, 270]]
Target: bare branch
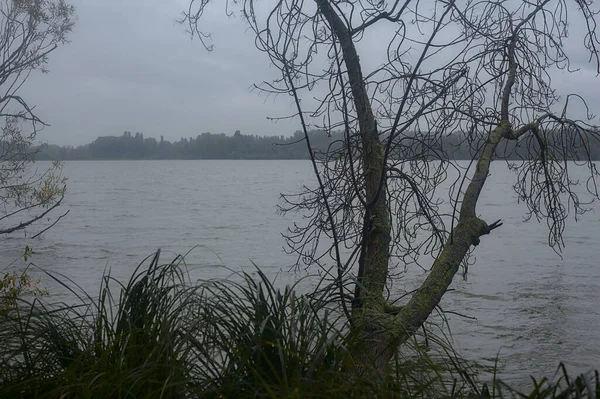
[[34, 219]]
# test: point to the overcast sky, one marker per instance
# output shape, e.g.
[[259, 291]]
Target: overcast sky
[[130, 66]]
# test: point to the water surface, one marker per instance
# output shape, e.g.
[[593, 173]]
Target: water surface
[[530, 306]]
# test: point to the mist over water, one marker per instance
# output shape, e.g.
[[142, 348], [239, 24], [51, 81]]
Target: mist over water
[[530, 306]]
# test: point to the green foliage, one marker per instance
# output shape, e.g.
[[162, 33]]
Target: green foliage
[[583, 386], [239, 338], [259, 341], [27, 253], [203, 146], [29, 31], [240, 146], [107, 348], [15, 285]]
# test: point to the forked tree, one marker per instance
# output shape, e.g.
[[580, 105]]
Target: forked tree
[[478, 71]]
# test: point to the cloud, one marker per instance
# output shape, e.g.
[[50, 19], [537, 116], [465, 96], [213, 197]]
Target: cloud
[[130, 66]]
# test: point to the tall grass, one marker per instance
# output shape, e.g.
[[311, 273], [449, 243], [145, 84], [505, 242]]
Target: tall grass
[[163, 336], [103, 348]]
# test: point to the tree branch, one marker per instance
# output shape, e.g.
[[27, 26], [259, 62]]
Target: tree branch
[[22, 225]]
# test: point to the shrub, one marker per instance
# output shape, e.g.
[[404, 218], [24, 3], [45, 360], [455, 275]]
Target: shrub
[[14, 285], [163, 336]]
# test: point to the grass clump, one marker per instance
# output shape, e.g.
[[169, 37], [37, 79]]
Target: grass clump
[[102, 348], [161, 336]]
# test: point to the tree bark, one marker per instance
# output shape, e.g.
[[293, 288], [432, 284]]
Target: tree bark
[[377, 334], [376, 236]]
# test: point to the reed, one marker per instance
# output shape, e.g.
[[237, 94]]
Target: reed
[[162, 336]]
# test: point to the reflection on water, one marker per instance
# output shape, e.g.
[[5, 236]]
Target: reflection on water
[[532, 307]]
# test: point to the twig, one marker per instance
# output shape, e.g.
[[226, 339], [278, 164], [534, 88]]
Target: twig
[[56, 221], [22, 225]]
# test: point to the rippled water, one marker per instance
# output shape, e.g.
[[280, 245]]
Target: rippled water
[[532, 307]]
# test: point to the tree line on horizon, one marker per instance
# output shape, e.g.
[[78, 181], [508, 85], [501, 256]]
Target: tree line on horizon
[[207, 145]]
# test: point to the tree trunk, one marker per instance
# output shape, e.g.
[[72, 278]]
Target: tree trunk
[[375, 254], [377, 334], [370, 339]]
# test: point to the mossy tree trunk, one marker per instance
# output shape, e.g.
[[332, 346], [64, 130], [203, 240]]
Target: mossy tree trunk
[[499, 53], [378, 332]]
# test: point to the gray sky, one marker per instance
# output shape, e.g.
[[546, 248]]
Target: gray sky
[[129, 66]]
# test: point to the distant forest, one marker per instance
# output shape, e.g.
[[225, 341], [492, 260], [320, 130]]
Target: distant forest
[[240, 146]]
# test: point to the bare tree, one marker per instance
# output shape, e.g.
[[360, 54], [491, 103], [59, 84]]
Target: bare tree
[[29, 31], [481, 70]]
